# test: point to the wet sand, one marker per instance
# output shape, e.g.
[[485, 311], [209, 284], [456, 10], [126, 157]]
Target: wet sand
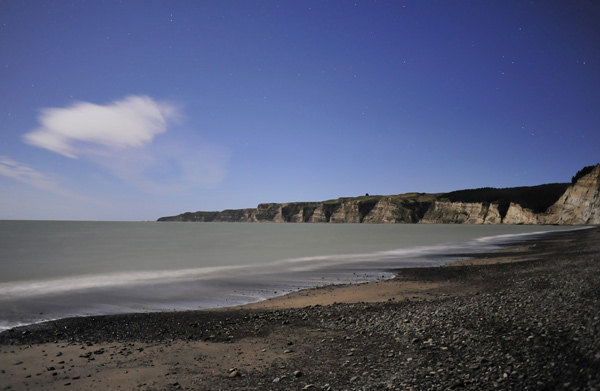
[[526, 317]]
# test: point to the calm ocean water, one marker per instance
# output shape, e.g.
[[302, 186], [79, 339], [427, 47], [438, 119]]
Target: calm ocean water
[[55, 269]]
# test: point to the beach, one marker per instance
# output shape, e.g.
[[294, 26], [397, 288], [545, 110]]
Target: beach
[[525, 317]]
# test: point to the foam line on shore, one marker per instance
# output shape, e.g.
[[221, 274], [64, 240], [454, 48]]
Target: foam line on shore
[[404, 257], [241, 284], [409, 257]]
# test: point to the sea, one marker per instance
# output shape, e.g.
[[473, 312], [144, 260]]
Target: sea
[[56, 269]]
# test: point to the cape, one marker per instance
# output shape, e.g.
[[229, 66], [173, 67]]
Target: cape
[[575, 203]]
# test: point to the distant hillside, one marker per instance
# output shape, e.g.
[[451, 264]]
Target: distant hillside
[[555, 203]]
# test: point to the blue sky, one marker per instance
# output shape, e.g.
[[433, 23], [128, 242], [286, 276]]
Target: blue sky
[[134, 110]]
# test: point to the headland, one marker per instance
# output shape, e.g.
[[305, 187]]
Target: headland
[[575, 203]]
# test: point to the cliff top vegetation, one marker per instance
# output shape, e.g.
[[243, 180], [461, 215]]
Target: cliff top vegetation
[[537, 198], [583, 172]]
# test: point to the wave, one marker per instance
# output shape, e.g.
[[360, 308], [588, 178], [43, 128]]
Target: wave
[[33, 301], [402, 257], [12, 290], [508, 238]]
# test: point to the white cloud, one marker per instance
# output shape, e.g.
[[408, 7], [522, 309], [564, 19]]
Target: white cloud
[[169, 167], [131, 122], [26, 174], [121, 139]]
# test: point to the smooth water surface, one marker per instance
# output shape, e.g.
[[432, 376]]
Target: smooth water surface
[[53, 269]]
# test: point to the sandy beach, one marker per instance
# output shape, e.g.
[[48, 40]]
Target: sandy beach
[[526, 317]]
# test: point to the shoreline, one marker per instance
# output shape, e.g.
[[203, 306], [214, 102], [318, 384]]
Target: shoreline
[[103, 293], [335, 335], [401, 287]]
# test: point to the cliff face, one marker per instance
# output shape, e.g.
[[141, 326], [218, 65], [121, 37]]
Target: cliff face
[[229, 215], [578, 204], [409, 208], [516, 214], [443, 212]]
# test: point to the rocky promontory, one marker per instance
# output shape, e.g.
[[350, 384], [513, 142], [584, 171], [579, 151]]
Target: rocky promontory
[[572, 203]]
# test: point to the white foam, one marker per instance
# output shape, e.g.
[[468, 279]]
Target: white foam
[[21, 289], [22, 302], [506, 238], [402, 257]]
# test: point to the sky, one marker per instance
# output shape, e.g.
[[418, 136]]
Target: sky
[[133, 110]]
